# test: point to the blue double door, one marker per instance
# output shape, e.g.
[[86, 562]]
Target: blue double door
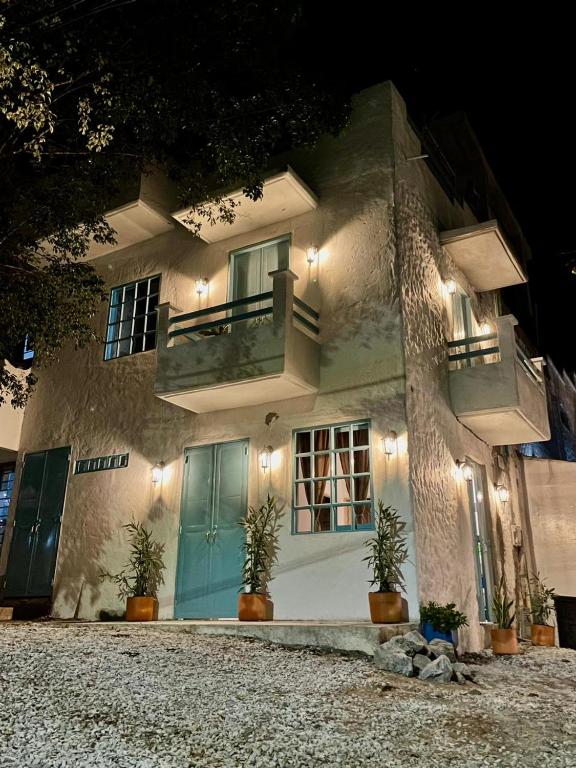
[[210, 556]]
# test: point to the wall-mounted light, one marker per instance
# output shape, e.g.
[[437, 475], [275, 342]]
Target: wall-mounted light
[[266, 458], [486, 328], [503, 493], [390, 442], [312, 255], [202, 286], [450, 286], [465, 470], [157, 473]]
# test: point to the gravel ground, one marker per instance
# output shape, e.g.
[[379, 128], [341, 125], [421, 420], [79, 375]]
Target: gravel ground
[[143, 698]]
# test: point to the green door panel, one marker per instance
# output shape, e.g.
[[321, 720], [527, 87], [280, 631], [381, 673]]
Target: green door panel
[[34, 546], [214, 498]]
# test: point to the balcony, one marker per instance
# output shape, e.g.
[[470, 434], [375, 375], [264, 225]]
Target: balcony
[[496, 389], [482, 253], [254, 350]]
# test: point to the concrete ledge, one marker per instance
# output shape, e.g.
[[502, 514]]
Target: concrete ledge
[[6, 614], [361, 637]]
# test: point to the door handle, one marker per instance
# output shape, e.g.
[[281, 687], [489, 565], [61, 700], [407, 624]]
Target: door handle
[[208, 536], [214, 533]]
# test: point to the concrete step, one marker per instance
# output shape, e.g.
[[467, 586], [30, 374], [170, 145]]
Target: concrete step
[[361, 637]]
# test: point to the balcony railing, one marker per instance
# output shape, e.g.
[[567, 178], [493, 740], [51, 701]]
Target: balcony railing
[[247, 351], [496, 388]]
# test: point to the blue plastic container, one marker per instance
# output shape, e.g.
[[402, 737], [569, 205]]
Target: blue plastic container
[[432, 634]]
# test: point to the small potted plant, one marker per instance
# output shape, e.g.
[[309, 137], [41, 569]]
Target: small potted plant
[[442, 622], [140, 578], [504, 641], [261, 554], [388, 553], [541, 599]]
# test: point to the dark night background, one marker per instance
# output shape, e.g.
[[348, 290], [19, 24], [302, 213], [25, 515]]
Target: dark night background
[[516, 84]]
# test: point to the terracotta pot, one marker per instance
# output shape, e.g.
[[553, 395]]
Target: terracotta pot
[[253, 606], [141, 609], [385, 607], [504, 641], [543, 635]]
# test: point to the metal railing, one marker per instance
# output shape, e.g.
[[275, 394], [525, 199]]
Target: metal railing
[[471, 349]]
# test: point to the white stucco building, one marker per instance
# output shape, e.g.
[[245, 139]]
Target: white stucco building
[[341, 342]]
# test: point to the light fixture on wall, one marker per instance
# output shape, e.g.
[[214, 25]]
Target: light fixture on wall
[[503, 493], [450, 286], [202, 286], [464, 470], [158, 473], [390, 442], [266, 458], [486, 328], [312, 255]]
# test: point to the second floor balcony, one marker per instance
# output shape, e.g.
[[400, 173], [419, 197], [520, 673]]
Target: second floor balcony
[[253, 350], [497, 389]]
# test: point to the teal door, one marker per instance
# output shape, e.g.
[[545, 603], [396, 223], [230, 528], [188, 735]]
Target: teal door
[[214, 498], [36, 531]]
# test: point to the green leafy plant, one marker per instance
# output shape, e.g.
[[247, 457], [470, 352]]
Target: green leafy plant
[[502, 607], [143, 573], [260, 547], [388, 551], [444, 618], [541, 600]]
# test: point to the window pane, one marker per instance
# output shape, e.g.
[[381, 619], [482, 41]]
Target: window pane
[[321, 439], [154, 285], [342, 437], [303, 521], [116, 297], [114, 315], [141, 306], [303, 494], [322, 519], [343, 489], [303, 442], [113, 332], [344, 517], [142, 289], [125, 328], [150, 341], [303, 464], [322, 465], [361, 461], [363, 514], [124, 347], [151, 322], [362, 488], [343, 463], [322, 492], [137, 344], [360, 434], [152, 303], [139, 324]]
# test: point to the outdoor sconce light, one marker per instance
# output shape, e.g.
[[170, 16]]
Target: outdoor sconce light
[[486, 328], [390, 443], [450, 286], [503, 493], [266, 458], [157, 473], [312, 255], [202, 286], [465, 470]]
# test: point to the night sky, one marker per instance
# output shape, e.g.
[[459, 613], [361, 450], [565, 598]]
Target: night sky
[[516, 84]]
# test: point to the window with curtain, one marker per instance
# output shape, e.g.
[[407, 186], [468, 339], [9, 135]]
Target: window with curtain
[[132, 318], [251, 267], [332, 482]]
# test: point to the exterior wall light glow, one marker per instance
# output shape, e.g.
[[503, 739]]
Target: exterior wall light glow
[[202, 286], [390, 443], [503, 493], [450, 286], [266, 458], [312, 255], [464, 470], [157, 473], [486, 328]]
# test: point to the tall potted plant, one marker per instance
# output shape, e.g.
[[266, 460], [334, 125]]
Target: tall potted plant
[[140, 578], [261, 525], [541, 600], [442, 622], [504, 641], [388, 553]]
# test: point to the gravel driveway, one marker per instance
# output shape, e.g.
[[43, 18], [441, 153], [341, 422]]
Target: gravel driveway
[[144, 698]]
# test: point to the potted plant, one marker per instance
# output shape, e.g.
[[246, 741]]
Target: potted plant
[[261, 554], [504, 641], [442, 622], [388, 553], [541, 599], [140, 578]]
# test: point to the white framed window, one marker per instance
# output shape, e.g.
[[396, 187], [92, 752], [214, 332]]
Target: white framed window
[[332, 480], [250, 267], [132, 318]]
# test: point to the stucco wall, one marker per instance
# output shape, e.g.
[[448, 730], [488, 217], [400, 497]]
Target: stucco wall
[[551, 491], [443, 526], [101, 407]]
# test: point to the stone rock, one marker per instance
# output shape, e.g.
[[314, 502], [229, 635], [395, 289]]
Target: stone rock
[[420, 661], [442, 648], [393, 661], [463, 669], [459, 678], [438, 671], [411, 643]]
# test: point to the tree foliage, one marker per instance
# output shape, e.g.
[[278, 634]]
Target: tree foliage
[[94, 92]]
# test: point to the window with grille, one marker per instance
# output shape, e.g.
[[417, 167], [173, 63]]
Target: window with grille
[[132, 318], [116, 461], [6, 488], [332, 481]]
